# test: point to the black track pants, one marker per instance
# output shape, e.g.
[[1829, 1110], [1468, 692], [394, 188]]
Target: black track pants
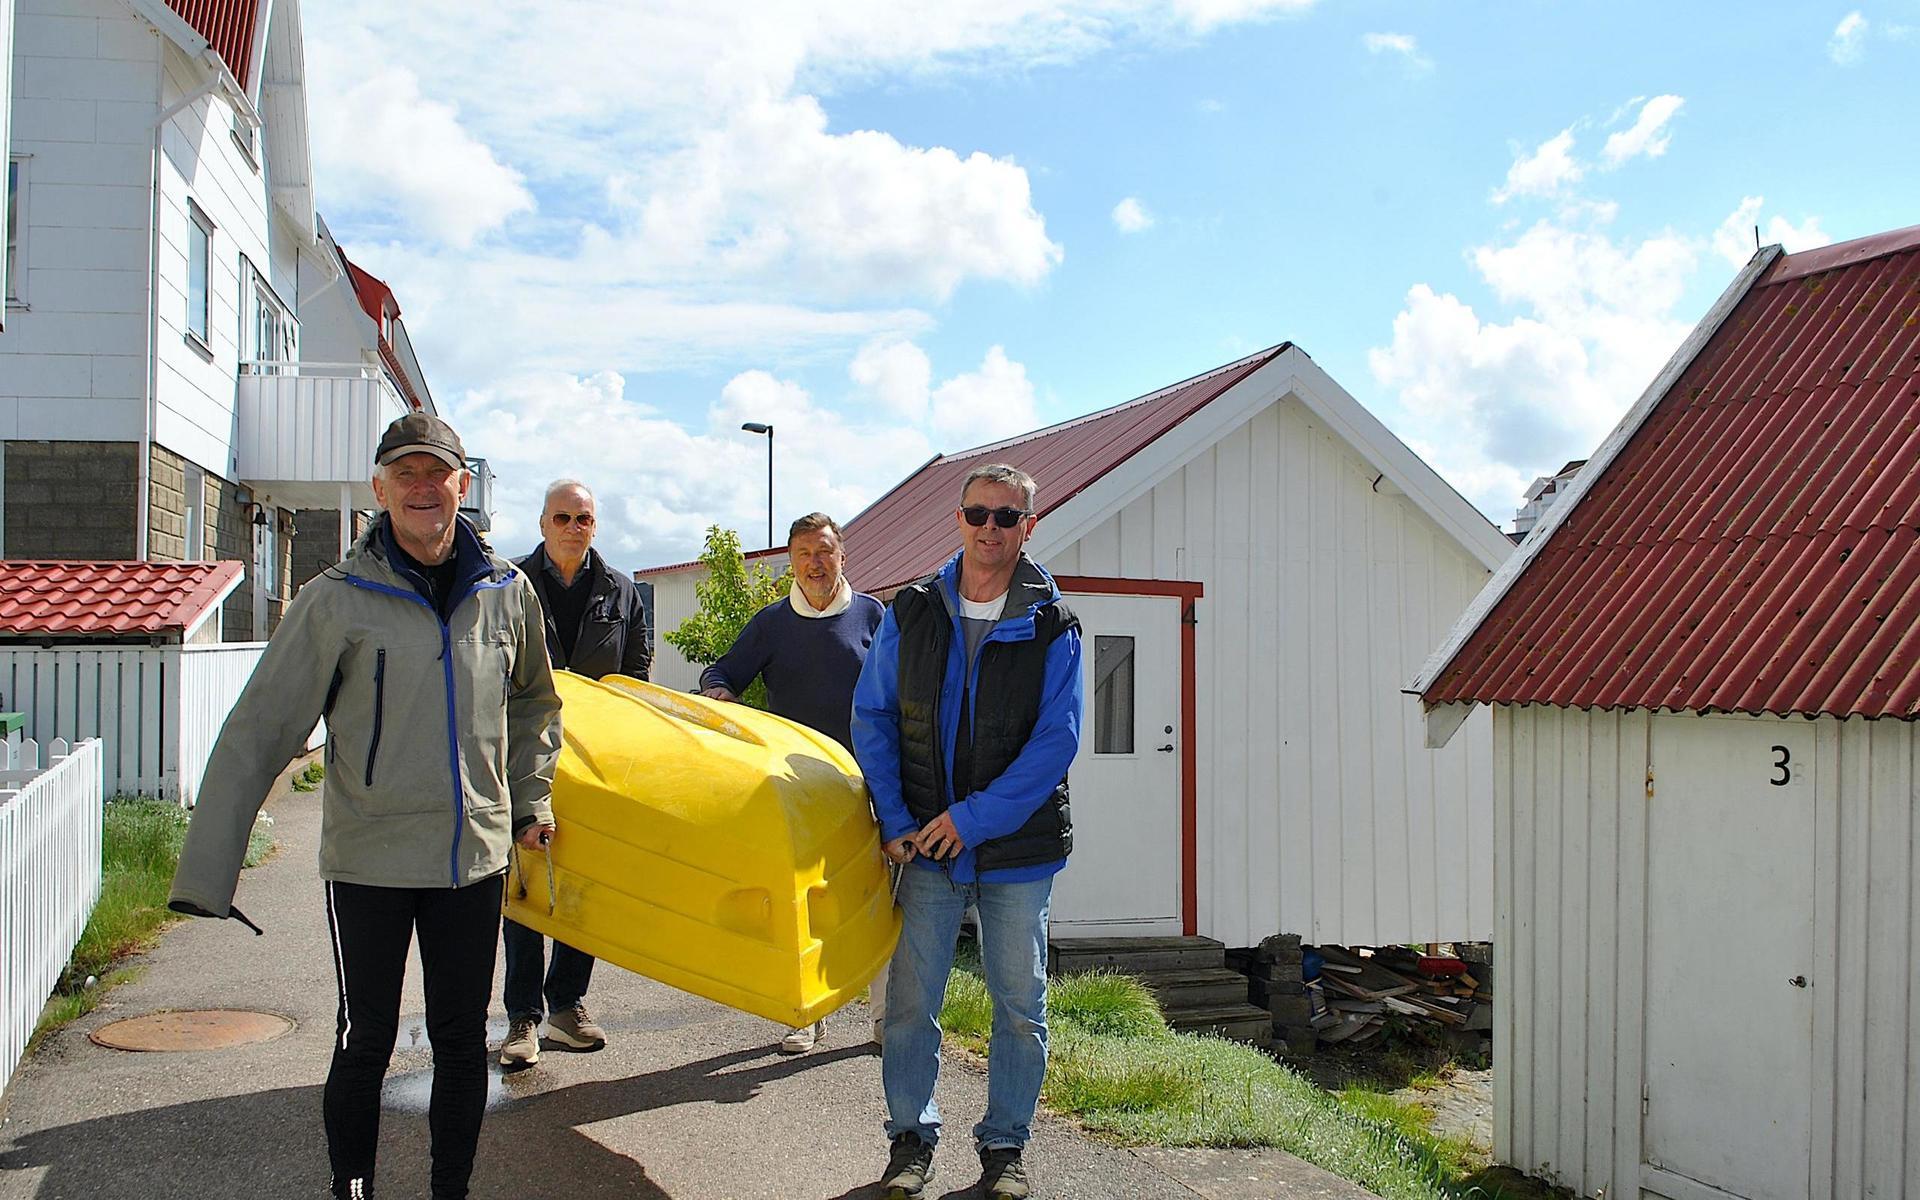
[[372, 928]]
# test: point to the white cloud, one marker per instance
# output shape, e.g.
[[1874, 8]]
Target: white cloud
[[1649, 134], [1131, 216], [773, 196], [389, 148], [1849, 38], [897, 374], [655, 505], [1492, 402], [1402, 44], [981, 406], [1734, 238], [1549, 169]]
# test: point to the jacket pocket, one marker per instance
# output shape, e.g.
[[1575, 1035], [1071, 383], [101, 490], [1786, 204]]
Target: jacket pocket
[[379, 707]]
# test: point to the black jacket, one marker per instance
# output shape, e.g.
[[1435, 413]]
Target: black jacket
[[613, 633]]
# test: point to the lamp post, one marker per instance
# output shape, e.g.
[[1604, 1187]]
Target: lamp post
[[757, 427]]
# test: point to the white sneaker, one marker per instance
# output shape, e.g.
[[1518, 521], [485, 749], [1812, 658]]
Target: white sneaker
[[801, 1040]]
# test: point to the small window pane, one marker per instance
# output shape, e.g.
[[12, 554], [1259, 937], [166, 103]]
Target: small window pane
[[197, 239], [1112, 695]]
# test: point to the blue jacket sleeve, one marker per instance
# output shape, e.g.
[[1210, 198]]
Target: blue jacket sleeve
[[876, 731], [746, 658], [1005, 804]]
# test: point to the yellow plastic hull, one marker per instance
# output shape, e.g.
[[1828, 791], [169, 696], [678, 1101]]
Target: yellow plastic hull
[[721, 850]]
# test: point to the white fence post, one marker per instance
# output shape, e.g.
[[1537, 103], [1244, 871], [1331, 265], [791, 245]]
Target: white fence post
[[50, 831]]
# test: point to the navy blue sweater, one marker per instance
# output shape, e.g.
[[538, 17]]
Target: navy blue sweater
[[810, 663]]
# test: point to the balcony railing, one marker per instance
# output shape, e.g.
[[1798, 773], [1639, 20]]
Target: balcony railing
[[307, 430]]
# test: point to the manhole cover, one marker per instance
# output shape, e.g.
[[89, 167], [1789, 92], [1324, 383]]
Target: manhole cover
[[203, 1029]]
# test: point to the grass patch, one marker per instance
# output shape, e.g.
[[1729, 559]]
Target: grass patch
[[308, 778], [1115, 1066], [139, 849]]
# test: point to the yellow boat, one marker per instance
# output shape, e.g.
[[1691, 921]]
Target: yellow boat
[[718, 849]]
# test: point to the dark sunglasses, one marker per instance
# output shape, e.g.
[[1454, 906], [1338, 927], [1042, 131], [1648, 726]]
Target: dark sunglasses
[[583, 520], [1005, 518]]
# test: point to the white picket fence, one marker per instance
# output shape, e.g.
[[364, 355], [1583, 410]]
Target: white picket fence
[[157, 709], [49, 874]]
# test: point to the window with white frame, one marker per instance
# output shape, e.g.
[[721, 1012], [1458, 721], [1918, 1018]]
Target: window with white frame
[[16, 266], [199, 273], [268, 331], [196, 518]]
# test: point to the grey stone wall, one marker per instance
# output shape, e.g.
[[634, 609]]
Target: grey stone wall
[[72, 500]]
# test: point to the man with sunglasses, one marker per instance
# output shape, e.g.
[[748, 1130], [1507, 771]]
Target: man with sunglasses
[[808, 648], [596, 626], [965, 720]]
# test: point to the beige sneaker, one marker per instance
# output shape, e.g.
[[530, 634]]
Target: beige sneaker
[[522, 1047], [575, 1030], [801, 1040]]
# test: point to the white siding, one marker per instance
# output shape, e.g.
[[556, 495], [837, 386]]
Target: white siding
[[85, 78], [1319, 811], [1570, 847], [194, 396]]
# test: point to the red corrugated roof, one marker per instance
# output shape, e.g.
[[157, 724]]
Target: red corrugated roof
[[228, 27], [1755, 545], [909, 531], [65, 598]]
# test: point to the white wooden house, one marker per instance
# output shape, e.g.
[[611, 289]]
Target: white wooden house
[[164, 237], [1704, 669], [1258, 565]]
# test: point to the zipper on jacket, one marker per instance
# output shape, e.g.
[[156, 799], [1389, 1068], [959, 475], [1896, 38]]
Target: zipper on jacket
[[379, 707], [446, 662]]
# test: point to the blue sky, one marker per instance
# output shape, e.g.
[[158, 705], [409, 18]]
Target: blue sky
[[895, 228]]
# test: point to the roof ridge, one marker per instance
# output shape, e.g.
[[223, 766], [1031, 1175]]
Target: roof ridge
[[1137, 401]]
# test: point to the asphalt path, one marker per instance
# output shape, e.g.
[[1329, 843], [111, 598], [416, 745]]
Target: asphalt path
[[688, 1100]]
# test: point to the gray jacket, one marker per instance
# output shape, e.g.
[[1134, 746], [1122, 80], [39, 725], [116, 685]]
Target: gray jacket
[[439, 735]]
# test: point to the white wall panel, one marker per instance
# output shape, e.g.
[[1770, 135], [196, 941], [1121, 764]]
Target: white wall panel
[[87, 212], [1570, 838], [1320, 813]]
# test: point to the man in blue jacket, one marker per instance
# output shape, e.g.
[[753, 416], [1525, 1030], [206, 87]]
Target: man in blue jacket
[[965, 720]]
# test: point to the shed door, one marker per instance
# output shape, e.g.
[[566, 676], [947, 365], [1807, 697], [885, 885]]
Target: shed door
[[1123, 877], [1729, 1037]]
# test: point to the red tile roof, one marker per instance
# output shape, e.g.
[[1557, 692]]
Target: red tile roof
[[228, 26], [909, 531], [1755, 545], [66, 598]]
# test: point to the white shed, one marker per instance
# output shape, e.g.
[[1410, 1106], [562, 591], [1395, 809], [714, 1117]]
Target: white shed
[[1258, 564], [1705, 672]]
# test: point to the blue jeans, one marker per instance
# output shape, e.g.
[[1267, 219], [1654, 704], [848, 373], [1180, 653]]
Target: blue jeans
[[567, 978], [1013, 951]]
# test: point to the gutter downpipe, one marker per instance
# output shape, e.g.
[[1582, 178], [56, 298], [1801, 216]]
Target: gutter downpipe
[[222, 81]]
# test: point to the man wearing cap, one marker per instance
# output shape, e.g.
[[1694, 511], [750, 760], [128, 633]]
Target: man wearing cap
[[595, 626], [425, 655]]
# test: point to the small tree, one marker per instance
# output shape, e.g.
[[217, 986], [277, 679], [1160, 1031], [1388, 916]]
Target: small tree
[[729, 596]]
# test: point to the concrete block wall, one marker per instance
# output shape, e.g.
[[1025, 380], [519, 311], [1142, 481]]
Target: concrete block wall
[[71, 500]]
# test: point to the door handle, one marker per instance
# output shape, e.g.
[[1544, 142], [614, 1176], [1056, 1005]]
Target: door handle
[[1167, 749], [1798, 981]]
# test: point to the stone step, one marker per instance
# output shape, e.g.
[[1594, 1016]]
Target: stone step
[[1134, 955], [1203, 988], [1241, 1022]]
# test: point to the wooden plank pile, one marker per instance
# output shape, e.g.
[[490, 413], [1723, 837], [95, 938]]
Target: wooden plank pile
[[1358, 990]]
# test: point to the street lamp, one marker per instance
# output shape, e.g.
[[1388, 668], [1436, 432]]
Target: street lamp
[[757, 427]]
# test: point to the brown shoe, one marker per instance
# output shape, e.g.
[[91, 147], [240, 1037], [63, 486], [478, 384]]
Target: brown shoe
[[522, 1047], [575, 1030]]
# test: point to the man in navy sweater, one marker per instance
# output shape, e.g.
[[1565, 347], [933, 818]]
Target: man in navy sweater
[[809, 648]]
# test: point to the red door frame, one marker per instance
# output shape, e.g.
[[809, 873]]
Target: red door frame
[[1189, 593]]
